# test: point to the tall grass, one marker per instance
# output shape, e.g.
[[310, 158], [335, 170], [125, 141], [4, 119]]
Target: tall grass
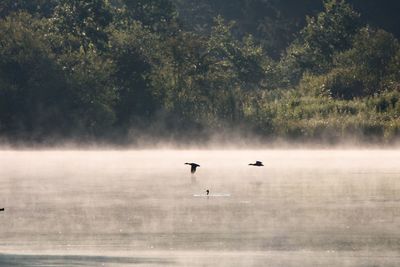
[[304, 115]]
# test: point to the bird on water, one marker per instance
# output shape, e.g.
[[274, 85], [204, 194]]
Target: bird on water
[[258, 164], [193, 166], [2, 209], [207, 192]]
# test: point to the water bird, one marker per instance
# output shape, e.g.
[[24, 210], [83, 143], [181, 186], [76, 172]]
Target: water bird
[[193, 166], [207, 192], [2, 209], [258, 164]]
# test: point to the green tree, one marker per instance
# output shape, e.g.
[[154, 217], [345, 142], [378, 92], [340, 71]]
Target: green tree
[[369, 58], [157, 15], [393, 79], [331, 31], [211, 72], [33, 89], [93, 93], [136, 56], [43, 8], [84, 20]]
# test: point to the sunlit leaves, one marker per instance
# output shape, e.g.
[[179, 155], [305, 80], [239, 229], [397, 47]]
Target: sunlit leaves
[[85, 20]]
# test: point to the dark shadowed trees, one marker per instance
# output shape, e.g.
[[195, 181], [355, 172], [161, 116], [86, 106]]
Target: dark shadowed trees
[[98, 69], [331, 31]]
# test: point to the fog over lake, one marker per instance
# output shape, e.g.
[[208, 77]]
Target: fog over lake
[[145, 208]]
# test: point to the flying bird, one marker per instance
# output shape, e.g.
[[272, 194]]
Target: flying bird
[[258, 164], [193, 166]]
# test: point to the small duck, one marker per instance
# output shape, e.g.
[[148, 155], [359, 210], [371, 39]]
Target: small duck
[[258, 164]]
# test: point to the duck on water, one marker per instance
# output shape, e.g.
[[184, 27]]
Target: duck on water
[[258, 164]]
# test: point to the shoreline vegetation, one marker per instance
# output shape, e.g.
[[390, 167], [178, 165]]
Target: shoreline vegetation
[[217, 144], [125, 73]]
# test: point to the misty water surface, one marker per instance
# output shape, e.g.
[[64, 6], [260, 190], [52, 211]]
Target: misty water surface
[[136, 208]]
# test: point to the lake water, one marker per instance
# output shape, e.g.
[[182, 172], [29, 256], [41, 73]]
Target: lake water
[[137, 208]]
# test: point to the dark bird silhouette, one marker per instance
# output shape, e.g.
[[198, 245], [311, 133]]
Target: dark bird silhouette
[[193, 166], [207, 192], [258, 164], [2, 209]]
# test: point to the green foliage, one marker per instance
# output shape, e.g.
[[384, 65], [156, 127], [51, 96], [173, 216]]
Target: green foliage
[[38, 90], [92, 93], [363, 70], [34, 7], [85, 20], [155, 15], [370, 57], [344, 84], [310, 118], [32, 86], [272, 23], [97, 68], [393, 77], [209, 74], [329, 32], [367, 68], [134, 58]]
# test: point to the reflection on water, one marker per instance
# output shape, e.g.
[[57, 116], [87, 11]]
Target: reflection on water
[[58, 260], [304, 208]]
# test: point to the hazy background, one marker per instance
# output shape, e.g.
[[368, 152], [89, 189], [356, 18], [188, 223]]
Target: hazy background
[[136, 208]]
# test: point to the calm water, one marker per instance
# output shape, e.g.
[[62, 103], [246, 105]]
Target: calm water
[[136, 208]]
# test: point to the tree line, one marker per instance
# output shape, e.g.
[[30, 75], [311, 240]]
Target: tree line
[[118, 70]]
